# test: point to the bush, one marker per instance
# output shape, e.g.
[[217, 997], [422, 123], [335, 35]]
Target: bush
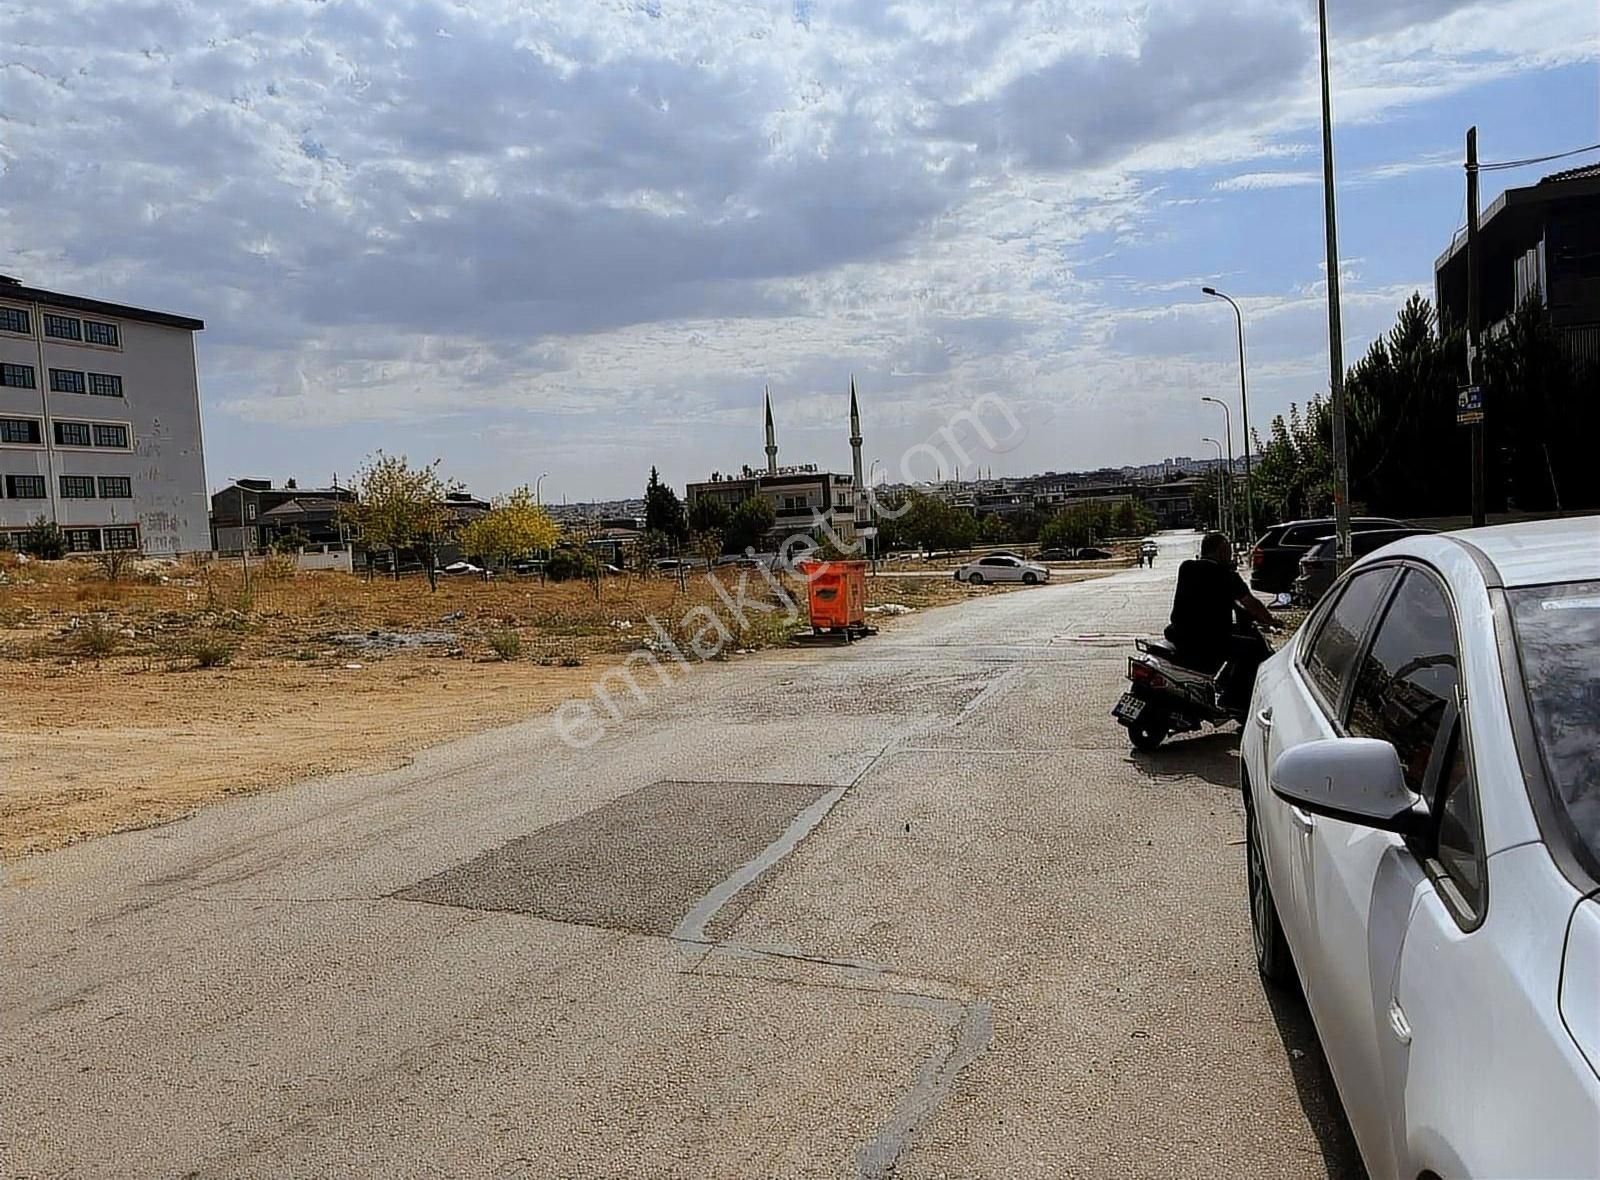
[[506, 645], [278, 567], [96, 639], [211, 651], [114, 563], [44, 539], [566, 564]]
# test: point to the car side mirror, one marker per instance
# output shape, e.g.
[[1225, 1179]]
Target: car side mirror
[[1357, 780]]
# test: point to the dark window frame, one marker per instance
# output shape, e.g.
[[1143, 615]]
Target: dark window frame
[[111, 330], [119, 480], [61, 381], [131, 532], [127, 435], [38, 432], [22, 317], [72, 534], [63, 426], [33, 481], [111, 382], [8, 368], [78, 481], [55, 318]]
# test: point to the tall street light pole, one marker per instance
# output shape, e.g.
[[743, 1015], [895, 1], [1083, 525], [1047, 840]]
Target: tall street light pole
[[1341, 457], [1244, 410], [537, 499], [1222, 516], [1227, 424]]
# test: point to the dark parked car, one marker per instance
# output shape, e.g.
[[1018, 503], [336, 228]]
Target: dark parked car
[[1275, 559], [1320, 566], [1091, 553]]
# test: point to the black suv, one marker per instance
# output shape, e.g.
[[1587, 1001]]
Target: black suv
[[1275, 560]]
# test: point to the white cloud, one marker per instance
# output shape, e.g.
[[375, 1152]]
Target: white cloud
[[605, 226]]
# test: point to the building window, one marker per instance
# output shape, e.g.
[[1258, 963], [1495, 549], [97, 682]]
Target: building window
[[72, 434], [122, 538], [116, 487], [20, 430], [63, 327], [77, 487], [249, 511], [66, 381], [17, 376], [25, 487], [97, 332], [111, 436], [14, 319], [105, 385], [83, 540]]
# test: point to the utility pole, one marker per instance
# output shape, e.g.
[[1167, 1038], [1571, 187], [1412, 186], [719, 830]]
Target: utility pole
[[1341, 458], [1473, 370]]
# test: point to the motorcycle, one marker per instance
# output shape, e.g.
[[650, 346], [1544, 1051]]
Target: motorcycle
[[1167, 696]]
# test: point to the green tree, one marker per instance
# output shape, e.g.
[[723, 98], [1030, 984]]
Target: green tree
[[1541, 415], [1075, 526], [515, 526], [993, 530], [748, 526], [708, 514], [399, 507], [663, 511], [43, 539], [933, 525]]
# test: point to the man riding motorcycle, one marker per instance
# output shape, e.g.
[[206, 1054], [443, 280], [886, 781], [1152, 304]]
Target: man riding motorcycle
[[1202, 631]]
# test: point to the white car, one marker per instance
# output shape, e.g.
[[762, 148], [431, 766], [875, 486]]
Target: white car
[[1001, 568], [1421, 769]]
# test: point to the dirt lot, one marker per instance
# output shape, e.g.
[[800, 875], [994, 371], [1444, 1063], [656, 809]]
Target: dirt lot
[[136, 701]]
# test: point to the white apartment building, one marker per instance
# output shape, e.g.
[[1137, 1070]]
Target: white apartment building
[[100, 423]]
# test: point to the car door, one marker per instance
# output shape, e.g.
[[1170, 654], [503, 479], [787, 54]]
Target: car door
[[1001, 569], [1363, 884], [1305, 707]]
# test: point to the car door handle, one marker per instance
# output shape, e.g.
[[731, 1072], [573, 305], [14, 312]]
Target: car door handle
[[1305, 821], [1398, 1024], [1264, 716]]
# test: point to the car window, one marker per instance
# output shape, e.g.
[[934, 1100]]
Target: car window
[[1303, 535], [1408, 677], [1558, 640], [1332, 653], [1460, 839], [995, 561]]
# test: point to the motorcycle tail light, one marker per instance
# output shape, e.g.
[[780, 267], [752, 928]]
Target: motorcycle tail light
[[1140, 672]]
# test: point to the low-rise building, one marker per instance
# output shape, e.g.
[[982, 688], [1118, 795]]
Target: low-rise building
[[100, 423], [251, 514]]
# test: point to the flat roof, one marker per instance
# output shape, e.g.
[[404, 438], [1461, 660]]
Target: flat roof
[[1515, 203], [16, 290]]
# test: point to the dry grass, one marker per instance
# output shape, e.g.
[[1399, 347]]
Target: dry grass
[[135, 701]]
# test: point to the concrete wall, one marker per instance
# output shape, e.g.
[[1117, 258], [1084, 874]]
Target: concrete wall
[[161, 408]]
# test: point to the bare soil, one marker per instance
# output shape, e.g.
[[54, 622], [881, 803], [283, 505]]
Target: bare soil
[[134, 702]]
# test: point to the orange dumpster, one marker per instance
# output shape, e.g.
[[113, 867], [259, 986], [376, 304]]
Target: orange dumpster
[[836, 595]]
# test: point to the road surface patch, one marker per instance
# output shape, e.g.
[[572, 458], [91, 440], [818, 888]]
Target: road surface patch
[[639, 863]]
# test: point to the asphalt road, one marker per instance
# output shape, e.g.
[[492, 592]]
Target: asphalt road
[[908, 908]]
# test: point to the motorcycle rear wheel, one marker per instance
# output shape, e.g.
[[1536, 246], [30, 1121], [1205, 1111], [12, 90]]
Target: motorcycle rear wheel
[[1148, 732]]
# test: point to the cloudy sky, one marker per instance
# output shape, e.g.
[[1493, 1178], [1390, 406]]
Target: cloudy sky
[[579, 237]]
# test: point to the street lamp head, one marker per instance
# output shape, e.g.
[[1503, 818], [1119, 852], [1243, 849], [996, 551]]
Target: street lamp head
[[1208, 290]]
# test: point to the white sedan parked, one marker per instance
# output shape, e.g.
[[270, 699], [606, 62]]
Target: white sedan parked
[[1421, 771], [1001, 567]]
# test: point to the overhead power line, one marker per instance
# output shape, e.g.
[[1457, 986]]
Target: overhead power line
[[1502, 164]]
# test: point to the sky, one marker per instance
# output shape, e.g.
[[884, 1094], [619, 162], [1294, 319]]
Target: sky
[[580, 238]]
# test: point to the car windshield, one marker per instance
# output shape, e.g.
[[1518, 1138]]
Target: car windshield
[[1558, 636]]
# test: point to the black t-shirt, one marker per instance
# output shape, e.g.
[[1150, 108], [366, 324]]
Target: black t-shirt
[[1202, 607]]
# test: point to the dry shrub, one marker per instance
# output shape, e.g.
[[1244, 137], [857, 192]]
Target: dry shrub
[[506, 644], [211, 651], [96, 639], [278, 567]]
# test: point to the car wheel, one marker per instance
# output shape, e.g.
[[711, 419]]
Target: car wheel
[[975, 578], [1148, 732], [1030, 579], [1273, 959]]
